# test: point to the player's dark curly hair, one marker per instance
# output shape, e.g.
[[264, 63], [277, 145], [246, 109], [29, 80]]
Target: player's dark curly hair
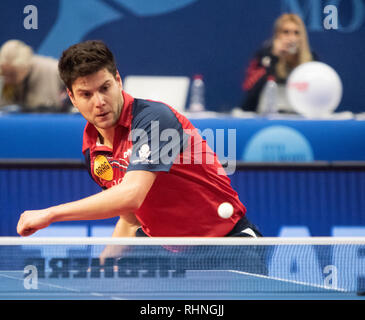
[[83, 59]]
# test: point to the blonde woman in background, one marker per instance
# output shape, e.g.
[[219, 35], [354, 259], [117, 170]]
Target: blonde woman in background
[[288, 48], [29, 82]]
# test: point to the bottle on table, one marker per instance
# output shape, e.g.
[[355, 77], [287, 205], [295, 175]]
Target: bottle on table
[[270, 97], [197, 94]]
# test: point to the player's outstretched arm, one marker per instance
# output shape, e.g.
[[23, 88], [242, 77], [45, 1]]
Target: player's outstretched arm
[[121, 199]]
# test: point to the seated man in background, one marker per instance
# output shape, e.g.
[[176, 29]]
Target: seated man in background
[[288, 48], [30, 81]]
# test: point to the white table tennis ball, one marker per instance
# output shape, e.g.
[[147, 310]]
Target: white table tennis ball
[[225, 210], [314, 89]]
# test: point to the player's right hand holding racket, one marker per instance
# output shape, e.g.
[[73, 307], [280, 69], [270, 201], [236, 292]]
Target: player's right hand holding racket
[[32, 221]]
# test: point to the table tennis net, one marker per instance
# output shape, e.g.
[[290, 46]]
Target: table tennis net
[[197, 267]]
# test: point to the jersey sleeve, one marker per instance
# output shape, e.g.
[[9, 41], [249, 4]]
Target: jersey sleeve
[[157, 136]]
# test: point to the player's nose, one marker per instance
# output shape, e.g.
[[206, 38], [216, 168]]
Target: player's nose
[[99, 100]]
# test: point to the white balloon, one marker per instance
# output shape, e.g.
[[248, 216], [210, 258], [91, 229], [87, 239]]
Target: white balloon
[[314, 89]]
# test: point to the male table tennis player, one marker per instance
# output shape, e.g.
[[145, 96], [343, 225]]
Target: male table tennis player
[[168, 184]]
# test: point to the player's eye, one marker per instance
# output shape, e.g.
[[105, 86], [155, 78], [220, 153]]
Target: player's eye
[[105, 88]]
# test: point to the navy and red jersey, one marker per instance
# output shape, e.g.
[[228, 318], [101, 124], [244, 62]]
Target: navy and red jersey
[[190, 183]]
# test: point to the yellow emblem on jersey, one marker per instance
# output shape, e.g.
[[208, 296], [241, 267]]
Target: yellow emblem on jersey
[[102, 168]]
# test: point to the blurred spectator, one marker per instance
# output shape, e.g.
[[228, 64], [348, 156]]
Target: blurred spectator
[[30, 81], [288, 48]]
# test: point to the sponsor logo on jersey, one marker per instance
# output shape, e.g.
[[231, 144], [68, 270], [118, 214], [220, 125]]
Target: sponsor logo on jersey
[[102, 168]]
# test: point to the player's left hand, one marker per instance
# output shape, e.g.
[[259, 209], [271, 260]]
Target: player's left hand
[[32, 221]]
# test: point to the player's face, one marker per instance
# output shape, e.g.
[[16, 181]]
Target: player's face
[[99, 98]]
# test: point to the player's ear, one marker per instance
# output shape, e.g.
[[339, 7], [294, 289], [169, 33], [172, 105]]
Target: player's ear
[[71, 96], [119, 79]]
